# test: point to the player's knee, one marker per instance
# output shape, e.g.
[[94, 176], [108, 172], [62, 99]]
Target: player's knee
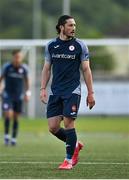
[[53, 129], [53, 124], [69, 123]]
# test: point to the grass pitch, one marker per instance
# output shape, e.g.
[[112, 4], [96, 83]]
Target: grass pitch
[[38, 153]]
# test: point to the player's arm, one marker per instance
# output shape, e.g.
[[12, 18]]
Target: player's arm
[[1, 78], [27, 89], [89, 83], [46, 73], [3, 72], [1, 88], [27, 83], [87, 75]]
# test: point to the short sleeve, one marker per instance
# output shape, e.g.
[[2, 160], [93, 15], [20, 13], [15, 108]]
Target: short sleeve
[[47, 54], [26, 70], [4, 68], [84, 51]]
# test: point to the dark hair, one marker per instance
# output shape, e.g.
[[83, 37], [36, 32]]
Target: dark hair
[[62, 21], [15, 51]]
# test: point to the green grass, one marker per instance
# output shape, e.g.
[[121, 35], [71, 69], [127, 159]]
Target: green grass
[[38, 153]]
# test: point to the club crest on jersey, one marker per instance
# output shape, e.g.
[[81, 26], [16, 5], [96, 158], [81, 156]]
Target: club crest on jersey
[[71, 48], [20, 70]]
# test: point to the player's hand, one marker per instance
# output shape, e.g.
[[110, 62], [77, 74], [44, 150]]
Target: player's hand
[[90, 101], [43, 96], [26, 98], [27, 95]]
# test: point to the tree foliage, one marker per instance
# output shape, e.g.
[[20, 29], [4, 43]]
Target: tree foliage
[[95, 19]]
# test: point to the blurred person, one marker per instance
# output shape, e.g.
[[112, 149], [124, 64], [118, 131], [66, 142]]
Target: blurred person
[[64, 55], [16, 81]]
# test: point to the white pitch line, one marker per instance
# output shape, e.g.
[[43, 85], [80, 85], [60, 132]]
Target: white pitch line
[[81, 163]]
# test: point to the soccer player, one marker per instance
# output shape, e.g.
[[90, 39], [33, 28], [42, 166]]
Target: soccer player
[[64, 55], [15, 76]]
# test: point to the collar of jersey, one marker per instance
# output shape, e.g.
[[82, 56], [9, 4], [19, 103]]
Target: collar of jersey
[[65, 41]]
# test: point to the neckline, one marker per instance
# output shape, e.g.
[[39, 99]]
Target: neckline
[[65, 41]]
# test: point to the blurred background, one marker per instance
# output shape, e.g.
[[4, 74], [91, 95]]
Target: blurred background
[[103, 25], [28, 19]]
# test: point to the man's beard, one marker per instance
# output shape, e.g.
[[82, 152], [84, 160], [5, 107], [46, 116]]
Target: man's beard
[[68, 36]]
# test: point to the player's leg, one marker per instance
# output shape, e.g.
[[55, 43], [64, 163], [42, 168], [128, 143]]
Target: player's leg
[[71, 139], [54, 115], [7, 112], [15, 128], [72, 151], [17, 108], [71, 106], [7, 119], [55, 129]]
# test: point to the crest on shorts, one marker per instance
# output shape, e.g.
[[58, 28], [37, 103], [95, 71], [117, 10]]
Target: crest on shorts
[[71, 48], [74, 108]]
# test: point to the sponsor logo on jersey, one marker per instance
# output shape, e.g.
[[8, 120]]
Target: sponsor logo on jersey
[[56, 46], [64, 56], [68, 145], [15, 75]]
